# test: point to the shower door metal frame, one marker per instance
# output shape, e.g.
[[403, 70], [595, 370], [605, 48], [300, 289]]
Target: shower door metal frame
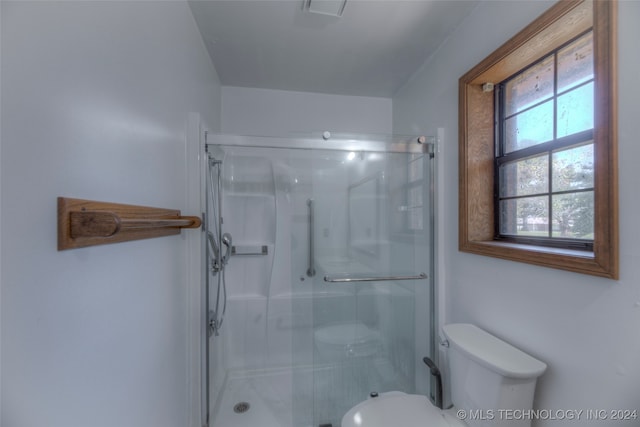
[[210, 327], [346, 143], [338, 142]]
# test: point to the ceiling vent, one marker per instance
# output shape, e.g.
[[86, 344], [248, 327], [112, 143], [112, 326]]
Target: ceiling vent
[[325, 7]]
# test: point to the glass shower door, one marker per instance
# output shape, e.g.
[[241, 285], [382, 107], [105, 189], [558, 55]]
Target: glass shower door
[[361, 265], [324, 291]]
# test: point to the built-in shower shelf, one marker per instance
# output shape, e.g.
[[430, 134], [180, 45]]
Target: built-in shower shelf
[[84, 223], [249, 250]]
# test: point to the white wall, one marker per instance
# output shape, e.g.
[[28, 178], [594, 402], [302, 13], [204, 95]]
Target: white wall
[[95, 102], [585, 328], [247, 111]]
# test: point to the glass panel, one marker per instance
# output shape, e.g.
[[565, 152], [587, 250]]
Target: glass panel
[[524, 177], [415, 196], [575, 111], [575, 63], [416, 193], [532, 127], [573, 215], [364, 334], [530, 87], [416, 169], [299, 350], [528, 216], [573, 168], [416, 218]]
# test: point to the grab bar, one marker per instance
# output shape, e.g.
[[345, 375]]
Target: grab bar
[[311, 271], [348, 279]]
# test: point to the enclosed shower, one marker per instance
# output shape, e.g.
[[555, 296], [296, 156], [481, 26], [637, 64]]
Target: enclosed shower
[[319, 284]]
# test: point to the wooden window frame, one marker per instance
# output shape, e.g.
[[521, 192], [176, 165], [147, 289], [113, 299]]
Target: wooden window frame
[[562, 22]]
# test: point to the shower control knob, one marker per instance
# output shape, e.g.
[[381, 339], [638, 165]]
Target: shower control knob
[[326, 135]]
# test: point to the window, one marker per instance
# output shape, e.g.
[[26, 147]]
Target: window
[[538, 154], [544, 159]]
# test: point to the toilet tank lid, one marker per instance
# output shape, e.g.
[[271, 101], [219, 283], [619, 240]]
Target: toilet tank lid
[[492, 352]]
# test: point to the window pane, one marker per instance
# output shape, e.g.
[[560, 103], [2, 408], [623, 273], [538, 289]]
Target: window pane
[[573, 215], [573, 168], [525, 217], [575, 111], [575, 63], [529, 128], [530, 87], [524, 177]]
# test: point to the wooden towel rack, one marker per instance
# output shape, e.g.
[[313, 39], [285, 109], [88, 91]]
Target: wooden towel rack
[[84, 223]]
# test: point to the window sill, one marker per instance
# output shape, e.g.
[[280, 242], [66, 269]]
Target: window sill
[[540, 249], [565, 259]]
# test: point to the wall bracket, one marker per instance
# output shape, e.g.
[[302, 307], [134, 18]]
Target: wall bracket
[[84, 223]]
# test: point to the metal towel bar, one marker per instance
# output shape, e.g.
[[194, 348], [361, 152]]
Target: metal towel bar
[[348, 279]]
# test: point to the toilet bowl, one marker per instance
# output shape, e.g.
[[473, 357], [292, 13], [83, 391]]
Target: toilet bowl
[[346, 340], [487, 376]]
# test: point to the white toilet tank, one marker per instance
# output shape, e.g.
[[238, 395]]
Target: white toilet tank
[[489, 377]]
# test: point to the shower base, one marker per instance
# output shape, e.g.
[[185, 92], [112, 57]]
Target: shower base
[[301, 397], [268, 394]]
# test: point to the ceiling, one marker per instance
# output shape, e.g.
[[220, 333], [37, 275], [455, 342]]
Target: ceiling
[[372, 50]]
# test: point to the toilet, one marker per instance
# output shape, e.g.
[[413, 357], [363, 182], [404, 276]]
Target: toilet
[[488, 378]]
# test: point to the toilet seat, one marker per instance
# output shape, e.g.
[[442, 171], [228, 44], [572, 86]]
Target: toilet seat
[[398, 409]]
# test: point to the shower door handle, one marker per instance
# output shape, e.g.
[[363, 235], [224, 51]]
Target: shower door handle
[[348, 278], [311, 271]]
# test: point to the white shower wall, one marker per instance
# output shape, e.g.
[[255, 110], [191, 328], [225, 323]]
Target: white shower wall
[[270, 296]]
